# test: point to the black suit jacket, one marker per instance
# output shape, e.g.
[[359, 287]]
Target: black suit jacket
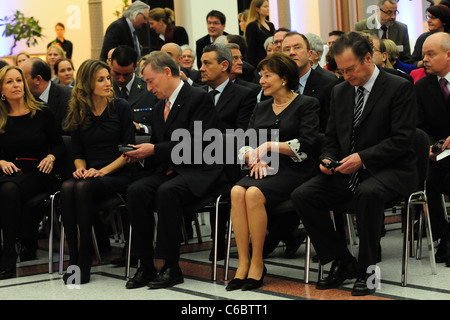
[[193, 104], [433, 110], [317, 87], [118, 33], [58, 102], [235, 106], [384, 133], [200, 44], [141, 101], [194, 75]]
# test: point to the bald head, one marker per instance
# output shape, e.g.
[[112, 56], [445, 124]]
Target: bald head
[[436, 54], [174, 50]]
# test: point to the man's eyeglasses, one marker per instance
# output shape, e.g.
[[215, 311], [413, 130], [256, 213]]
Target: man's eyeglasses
[[390, 12]]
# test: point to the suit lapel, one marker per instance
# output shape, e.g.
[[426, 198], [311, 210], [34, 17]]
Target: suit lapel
[[344, 115], [225, 96], [136, 90], [176, 106]]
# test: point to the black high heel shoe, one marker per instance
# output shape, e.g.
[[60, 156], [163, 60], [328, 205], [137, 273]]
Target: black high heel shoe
[[235, 284], [252, 284]]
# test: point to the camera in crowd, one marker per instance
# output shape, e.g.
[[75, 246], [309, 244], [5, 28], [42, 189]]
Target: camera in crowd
[[437, 146], [331, 165]]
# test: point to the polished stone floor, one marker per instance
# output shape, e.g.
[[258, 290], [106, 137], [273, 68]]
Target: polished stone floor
[[284, 280]]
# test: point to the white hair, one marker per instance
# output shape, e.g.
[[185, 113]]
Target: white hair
[[136, 8]]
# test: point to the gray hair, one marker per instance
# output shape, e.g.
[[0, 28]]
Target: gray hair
[[159, 61], [316, 43], [222, 52], [221, 40], [381, 2], [136, 8], [186, 47], [268, 42], [233, 46]]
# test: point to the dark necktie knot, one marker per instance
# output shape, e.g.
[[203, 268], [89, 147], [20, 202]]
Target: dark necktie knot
[[213, 94], [124, 93], [384, 28]]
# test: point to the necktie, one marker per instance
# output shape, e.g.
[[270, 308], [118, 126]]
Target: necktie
[[124, 93], [136, 45], [443, 82], [213, 94], [384, 36], [166, 110], [354, 177]]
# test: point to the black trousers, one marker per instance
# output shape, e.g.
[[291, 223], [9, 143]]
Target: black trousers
[[168, 196], [313, 201], [438, 183]]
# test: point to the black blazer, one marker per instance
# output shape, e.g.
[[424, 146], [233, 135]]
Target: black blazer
[[118, 33], [319, 86], [192, 104], [58, 102], [384, 133], [200, 44], [141, 101], [235, 106], [433, 110]]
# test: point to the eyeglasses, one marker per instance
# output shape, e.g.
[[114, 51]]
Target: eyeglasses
[[390, 12], [277, 42], [348, 70], [431, 17]]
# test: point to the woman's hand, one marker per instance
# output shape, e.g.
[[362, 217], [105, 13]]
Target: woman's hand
[[257, 154], [259, 170], [79, 173], [46, 165], [8, 168], [93, 173]]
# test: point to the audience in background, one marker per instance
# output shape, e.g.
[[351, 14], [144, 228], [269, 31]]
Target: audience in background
[[65, 72], [65, 44]]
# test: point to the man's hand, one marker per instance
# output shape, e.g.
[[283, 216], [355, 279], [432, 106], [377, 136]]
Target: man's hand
[[143, 151], [350, 164]]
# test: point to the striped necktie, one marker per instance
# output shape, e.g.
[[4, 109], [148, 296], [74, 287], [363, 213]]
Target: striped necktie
[[354, 177]]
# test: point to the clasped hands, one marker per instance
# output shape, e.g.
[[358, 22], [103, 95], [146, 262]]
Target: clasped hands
[[83, 173], [259, 168], [45, 166], [350, 164]]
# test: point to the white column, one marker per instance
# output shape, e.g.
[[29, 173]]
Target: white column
[[191, 14]]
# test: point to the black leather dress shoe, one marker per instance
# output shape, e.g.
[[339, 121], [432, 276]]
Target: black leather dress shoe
[[167, 277], [235, 284], [84, 278], [7, 273], [360, 287], [443, 252], [340, 271], [252, 284], [141, 278]]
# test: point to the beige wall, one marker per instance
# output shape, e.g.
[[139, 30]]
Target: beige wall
[[75, 16]]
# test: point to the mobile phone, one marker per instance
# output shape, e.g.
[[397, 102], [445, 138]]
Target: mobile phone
[[126, 148]]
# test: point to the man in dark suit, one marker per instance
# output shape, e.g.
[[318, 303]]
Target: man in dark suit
[[237, 70], [234, 103], [312, 83], [190, 75], [129, 86], [55, 96], [123, 30], [434, 119], [370, 132], [317, 48], [172, 184], [385, 26], [216, 23]]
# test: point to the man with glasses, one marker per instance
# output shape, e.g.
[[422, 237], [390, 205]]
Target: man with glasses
[[370, 133], [123, 30], [129, 86], [216, 23], [385, 26]]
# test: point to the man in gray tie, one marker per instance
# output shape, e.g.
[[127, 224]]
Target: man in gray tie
[[370, 132], [434, 119]]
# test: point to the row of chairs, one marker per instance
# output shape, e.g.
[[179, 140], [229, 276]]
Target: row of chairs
[[221, 197]]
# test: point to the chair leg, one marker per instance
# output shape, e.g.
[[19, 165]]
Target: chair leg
[[50, 236], [351, 233], [197, 228], [227, 258], [127, 268], [61, 250], [97, 252], [307, 258], [216, 228], [407, 226], [419, 237], [430, 238]]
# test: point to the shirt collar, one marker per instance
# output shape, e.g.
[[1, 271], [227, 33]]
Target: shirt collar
[[304, 78], [447, 76], [174, 95], [130, 24], [130, 83], [221, 87], [369, 84], [44, 95]]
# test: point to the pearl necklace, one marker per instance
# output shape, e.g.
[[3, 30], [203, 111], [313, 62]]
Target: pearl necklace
[[284, 104]]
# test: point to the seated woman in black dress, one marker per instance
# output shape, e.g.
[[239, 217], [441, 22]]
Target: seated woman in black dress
[[98, 124], [292, 125], [29, 146]]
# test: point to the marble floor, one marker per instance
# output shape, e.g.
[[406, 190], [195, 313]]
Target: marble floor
[[284, 281]]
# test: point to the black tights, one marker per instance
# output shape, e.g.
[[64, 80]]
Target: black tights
[[78, 200], [11, 208]]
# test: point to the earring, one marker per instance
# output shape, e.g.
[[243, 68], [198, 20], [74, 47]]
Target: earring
[[3, 97], [283, 84]]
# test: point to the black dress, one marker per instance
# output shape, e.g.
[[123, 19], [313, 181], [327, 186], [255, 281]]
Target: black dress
[[98, 146], [26, 141], [299, 120], [256, 36]]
